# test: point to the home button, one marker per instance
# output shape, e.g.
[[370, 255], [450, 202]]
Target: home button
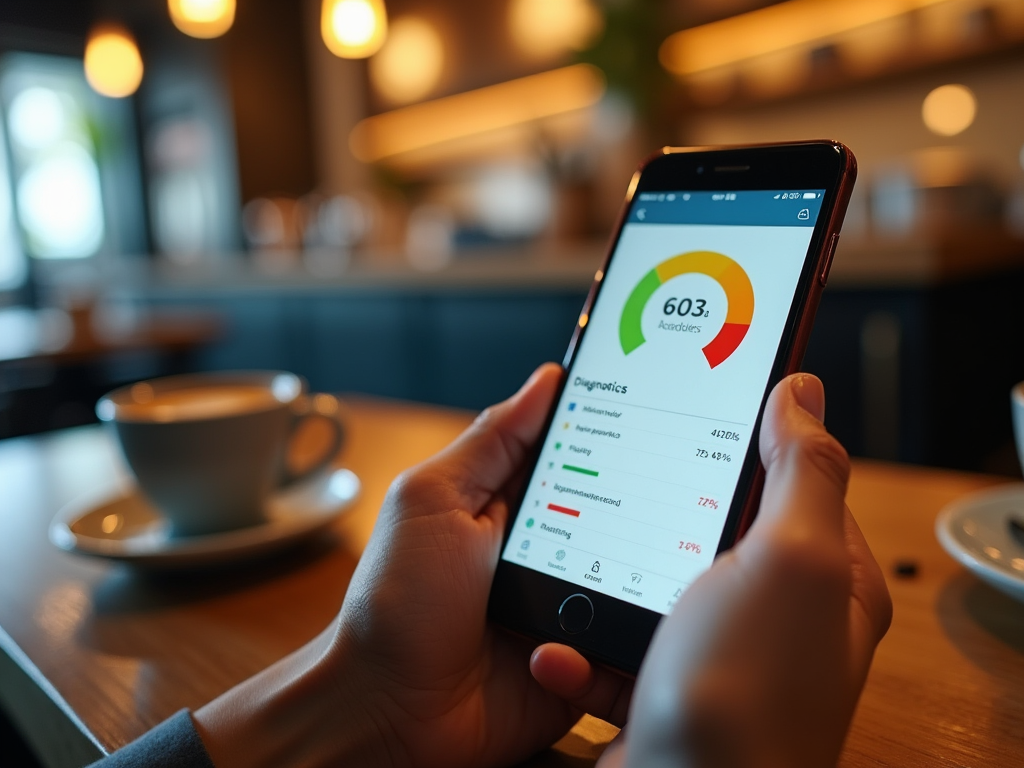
[[576, 613]]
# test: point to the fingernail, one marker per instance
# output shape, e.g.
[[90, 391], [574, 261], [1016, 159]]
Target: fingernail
[[527, 384], [809, 394], [537, 373]]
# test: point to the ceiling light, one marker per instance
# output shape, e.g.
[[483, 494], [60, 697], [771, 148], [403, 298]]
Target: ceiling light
[[353, 29], [113, 65], [949, 109], [410, 64], [545, 28], [202, 18]]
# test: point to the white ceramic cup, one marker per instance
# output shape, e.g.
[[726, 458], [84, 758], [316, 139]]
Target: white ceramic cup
[[204, 457]]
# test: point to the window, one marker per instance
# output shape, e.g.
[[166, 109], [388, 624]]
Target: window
[[12, 260], [52, 139], [73, 178]]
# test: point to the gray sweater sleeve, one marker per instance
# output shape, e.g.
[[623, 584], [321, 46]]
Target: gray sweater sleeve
[[172, 744]]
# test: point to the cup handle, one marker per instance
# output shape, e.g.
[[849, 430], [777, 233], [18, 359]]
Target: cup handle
[[318, 406]]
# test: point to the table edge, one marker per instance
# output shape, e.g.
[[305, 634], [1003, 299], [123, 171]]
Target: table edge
[[25, 694]]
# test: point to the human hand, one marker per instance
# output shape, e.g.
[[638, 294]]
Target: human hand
[[411, 674], [762, 660], [454, 690]]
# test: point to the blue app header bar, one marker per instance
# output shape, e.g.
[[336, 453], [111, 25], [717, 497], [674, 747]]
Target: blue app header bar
[[760, 208]]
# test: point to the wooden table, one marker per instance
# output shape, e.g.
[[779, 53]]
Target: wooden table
[[94, 654]]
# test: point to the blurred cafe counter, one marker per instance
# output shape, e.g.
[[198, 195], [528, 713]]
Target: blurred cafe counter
[[904, 323]]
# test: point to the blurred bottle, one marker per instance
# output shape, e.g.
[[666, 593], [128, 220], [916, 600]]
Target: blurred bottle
[[273, 233], [430, 237], [184, 200], [332, 228]]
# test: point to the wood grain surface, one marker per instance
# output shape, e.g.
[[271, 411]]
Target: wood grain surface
[[947, 685], [95, 653]]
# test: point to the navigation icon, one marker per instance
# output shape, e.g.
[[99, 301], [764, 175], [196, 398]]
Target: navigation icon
[[525, 545], [636, 578], [804, 214], [560, 555], [596, 567]]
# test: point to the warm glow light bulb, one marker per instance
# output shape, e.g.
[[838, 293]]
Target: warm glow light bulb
[[113, 65], [410, 64], [353, 29], [949, 109], [546, 28], [202, 18]]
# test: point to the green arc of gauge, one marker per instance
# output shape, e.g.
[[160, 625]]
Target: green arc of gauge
[[739, 295]]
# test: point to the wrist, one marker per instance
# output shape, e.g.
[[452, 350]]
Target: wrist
[[312, 708]]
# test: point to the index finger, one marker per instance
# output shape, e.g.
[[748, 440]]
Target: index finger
[[489, 452]]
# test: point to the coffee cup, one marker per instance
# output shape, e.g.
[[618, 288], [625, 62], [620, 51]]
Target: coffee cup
[[207, 450], [1017, 406]]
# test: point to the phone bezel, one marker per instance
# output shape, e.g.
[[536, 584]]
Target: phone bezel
[[526, 601]]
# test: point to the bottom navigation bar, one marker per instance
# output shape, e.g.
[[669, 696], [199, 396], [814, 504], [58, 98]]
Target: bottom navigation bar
[[611, 577]]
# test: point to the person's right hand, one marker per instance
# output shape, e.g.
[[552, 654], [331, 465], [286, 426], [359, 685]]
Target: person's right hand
[[762, 660]]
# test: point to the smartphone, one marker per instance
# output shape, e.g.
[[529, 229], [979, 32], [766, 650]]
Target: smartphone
[[648, 467]]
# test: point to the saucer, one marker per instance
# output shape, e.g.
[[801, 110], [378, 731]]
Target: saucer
[[118, 523], [975, 530]]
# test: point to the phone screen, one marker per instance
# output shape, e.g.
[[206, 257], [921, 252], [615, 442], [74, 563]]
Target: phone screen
[[637, 473]]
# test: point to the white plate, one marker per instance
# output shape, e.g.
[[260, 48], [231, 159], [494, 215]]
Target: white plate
[[119, 524], [975, 530]]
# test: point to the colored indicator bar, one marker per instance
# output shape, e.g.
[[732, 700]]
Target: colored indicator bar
[[581, 470], [564, 510], [739, 295]]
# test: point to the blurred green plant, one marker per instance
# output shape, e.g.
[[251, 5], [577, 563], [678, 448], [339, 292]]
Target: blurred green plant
[[627, 53]]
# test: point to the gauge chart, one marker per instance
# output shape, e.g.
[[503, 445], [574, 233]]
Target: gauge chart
[[727, 273]]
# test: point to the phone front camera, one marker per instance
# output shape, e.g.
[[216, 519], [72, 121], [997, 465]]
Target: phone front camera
[[700, 169]]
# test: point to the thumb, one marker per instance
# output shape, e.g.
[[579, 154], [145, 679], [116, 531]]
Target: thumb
[[487, 455], [807, 470]]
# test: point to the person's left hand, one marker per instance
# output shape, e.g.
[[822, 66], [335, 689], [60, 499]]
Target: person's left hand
[[412, 673], [455, 691]]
